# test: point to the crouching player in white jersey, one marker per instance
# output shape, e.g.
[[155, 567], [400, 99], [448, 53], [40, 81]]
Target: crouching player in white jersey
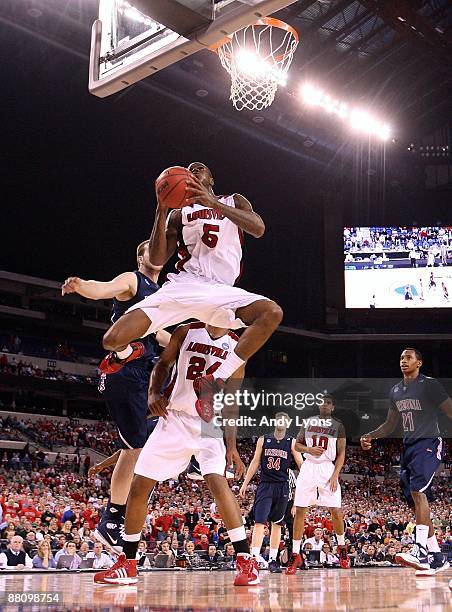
[[323, 446], [179, 434], [208, 234]]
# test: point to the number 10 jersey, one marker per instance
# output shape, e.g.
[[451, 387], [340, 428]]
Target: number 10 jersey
[[318, 434]]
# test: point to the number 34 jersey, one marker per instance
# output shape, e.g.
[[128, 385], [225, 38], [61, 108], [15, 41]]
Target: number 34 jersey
[[319, 434], [199, 354], [211, 244]]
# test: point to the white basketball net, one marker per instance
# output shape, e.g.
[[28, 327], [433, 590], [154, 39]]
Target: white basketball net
[[257, 58]]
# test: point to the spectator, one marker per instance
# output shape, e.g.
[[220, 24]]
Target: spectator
[[327, 557], [44, 557], [101, 559], [199, 530], [69, 549], [163, 523], [317, 541], [15, 556], [213, 555], [191, 518]]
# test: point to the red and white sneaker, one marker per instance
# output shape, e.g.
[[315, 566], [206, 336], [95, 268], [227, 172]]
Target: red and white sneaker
[[112, 364], [295, 562], [344, 559], [247, 571], [124, 571], [99, 577], [206, 387]]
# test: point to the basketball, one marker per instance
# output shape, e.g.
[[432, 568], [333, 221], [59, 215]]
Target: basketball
[[170, 186]]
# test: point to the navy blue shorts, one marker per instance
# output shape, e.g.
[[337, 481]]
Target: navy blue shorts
[[126, 396], [271, 502], [419, 462]]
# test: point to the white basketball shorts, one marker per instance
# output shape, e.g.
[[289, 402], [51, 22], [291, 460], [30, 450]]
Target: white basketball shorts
[[186, 296], [313, 488], [170, 446]]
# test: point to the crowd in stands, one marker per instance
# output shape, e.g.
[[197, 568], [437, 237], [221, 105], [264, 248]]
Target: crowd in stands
[[16, 367], [379, 239], [63, 350], [51, 433], [50, 512]]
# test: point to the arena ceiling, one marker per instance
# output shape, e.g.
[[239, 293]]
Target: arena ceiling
[[392, 56]]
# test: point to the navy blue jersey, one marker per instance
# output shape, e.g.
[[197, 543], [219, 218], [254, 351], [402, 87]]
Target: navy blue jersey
[[275, 459], [418, 403], [145, 287]]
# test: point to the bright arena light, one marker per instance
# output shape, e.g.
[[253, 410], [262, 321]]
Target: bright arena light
[[253, 65], [360, 120]]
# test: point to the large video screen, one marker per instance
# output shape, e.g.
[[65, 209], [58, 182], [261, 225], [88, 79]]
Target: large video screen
[[398, 267]]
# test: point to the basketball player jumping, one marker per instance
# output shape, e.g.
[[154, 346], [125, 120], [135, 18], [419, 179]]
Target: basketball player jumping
[[126, 392], [208, 233], [323, 446], [179, 434], [418, 399], [273, 455]]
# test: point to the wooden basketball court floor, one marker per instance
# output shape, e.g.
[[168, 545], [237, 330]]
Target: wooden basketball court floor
[[355, 589]]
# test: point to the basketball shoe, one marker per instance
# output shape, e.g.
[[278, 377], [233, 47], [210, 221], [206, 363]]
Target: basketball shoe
[[111, 363], [274, 567], [247, 571], [194, 471], [110, 533], [296, 561], [344, 559], [124, 571], [417, 558], [206, 387], [438, 563]]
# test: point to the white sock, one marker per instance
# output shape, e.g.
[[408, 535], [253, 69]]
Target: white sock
[[273, 554], [340, 539], [432, 544], [422, 535], [296, 544], [237, 534], [229, 366], [255, 551], [131, 537], [124, 353]]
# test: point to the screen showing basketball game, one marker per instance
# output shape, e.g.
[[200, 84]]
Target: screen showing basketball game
[[398, 267]]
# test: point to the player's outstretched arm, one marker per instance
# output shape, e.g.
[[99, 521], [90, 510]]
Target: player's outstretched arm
[[164, 235], [112, 460], [122, 287], [383, 431], [253, 466], [157, 402]]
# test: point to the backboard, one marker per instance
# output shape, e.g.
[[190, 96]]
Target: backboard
[[133, 39]]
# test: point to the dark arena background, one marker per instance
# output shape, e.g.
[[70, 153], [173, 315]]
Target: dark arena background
[[350, 169]]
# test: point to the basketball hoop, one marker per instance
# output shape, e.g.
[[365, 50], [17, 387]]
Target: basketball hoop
[[257, 59]]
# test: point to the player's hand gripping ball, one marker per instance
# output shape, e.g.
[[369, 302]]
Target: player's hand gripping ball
[[171, 185]]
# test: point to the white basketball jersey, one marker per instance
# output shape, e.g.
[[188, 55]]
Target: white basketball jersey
[[326, 437], [211, 244], [199, 354]]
